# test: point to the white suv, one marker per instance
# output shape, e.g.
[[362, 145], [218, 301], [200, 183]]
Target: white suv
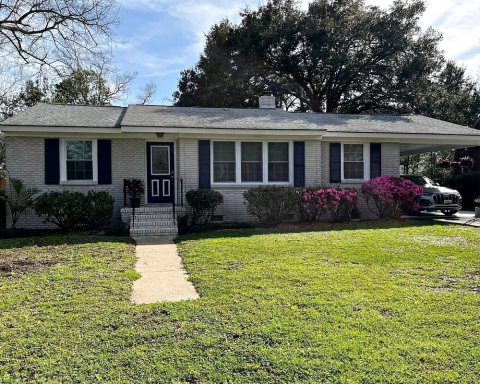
[[436, 197]]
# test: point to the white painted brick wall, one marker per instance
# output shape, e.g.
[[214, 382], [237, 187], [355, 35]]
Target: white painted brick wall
[[316, 173], [25, 161], [313, 163]]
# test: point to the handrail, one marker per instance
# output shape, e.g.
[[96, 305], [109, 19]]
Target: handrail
[[177, 194]]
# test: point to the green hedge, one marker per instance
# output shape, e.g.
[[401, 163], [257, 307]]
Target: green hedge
[[203, 203], [271, 204], [72, 210], [468, 184]]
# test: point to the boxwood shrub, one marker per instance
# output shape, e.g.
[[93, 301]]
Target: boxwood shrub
[[99, 209], [203, 203], [271, 204], [72, 210]]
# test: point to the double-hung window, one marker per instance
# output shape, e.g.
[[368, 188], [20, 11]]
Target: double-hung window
[[224, 162], [78, 161], [278, 162], [354, 160], [251, 162]]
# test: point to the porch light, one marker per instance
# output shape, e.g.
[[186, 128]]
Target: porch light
[[159, 135]]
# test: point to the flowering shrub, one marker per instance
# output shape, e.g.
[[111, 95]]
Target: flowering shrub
[[389, 196], [338, 202]]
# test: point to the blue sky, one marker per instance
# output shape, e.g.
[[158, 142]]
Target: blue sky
[[159, 38]]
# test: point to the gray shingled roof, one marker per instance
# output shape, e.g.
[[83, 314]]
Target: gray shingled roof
[[59, 115], [185, 117], [56, 115]]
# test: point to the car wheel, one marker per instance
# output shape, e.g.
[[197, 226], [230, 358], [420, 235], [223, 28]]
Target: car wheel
[[449, 212]]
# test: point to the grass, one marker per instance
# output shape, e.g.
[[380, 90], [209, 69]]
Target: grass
[[383, 302]]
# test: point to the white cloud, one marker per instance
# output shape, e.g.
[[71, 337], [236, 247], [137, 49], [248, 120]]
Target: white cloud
[[196, 17], [192, 19], [457, 21]]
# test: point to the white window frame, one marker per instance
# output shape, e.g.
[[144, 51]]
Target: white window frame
[[366, 163], [212, 177], [238, 163], [63, 162]]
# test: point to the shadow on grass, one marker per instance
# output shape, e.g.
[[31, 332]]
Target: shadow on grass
[[305, 228], [53, 239]]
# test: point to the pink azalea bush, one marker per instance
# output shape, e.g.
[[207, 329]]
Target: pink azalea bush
[[389, 196], [338, 202]]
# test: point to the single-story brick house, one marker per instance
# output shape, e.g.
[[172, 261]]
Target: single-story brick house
[[176, 149]]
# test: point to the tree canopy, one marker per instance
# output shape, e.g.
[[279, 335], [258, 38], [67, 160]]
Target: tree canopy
[[337, 56], [81, 86]]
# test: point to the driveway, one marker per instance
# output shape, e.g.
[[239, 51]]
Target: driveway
[[462, 217]]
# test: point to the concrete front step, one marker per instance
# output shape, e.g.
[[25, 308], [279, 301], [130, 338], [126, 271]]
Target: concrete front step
[[153, 220], [155, 223], [153, 231], [153, 209], [159, 217]]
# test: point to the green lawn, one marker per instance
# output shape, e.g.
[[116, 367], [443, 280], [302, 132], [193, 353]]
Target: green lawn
[[367, 303]]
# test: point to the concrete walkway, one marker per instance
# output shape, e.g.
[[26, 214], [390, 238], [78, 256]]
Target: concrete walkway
[[163, 276]]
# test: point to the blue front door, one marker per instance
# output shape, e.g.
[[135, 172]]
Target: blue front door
[[160, 172]]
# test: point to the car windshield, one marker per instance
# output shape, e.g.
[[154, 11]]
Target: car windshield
[[420, 180]]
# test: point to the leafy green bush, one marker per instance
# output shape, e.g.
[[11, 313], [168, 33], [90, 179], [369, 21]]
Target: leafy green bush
[[71, 210], [468, 184], [271, 204], [99, 207], [19, 199], [203, 203], [66, 209]]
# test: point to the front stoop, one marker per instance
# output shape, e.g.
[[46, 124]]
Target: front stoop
[[152, 221]]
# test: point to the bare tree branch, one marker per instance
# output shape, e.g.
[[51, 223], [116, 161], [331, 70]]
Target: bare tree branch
[[147, 93], [52, 32]]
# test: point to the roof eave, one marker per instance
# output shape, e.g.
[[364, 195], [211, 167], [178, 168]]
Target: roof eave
[[58, 129]]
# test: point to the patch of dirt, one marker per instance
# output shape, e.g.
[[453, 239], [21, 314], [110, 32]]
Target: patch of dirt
[[446, 241], [11, 266], [387, 313], [470, 282]]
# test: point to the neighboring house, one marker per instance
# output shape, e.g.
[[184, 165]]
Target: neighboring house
[[176, 149]]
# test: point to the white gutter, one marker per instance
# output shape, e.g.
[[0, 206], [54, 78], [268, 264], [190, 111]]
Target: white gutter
[[45, 129]]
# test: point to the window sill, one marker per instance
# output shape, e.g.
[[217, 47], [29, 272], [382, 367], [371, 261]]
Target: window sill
[[354, 181], [79, 182]]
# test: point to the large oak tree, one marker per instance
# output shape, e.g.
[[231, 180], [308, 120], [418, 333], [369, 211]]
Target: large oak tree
[[338, 56]]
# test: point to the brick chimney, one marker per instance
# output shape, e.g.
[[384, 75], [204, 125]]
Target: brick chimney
[[266, 102]]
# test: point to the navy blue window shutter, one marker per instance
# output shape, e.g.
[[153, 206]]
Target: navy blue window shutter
[[335, 162], [52, 161], [299, 163], [204, 164], [375, 160], [104, 154]]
